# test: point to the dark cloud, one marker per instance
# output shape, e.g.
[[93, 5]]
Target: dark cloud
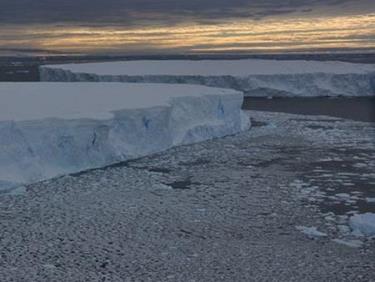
[[134, 12]]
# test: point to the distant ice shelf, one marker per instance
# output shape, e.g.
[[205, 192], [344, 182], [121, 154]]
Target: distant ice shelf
[[253, 77], [51, 129]]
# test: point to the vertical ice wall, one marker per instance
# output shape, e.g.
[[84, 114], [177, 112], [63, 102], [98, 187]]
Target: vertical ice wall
[[50, 129]]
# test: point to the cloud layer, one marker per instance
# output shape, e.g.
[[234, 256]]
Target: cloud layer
[[137, 12], [186, 26]]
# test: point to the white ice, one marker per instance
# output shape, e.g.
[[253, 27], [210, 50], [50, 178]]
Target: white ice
[[253, 77], [50, 129]]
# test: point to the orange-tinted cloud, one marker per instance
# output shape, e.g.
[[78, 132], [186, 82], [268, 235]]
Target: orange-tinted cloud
[[240, 36]]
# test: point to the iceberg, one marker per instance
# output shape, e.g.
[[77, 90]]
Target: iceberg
[[52, 129], [253, 77]]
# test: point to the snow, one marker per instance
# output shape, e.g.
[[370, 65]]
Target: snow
[[51, 129], [253, 77], [363, 224], [68, 100]]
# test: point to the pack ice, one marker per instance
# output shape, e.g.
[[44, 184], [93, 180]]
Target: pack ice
[[253, 77], [50, 129]]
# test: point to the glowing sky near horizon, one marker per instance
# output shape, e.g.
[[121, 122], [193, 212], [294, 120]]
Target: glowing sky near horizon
[[238, 28]]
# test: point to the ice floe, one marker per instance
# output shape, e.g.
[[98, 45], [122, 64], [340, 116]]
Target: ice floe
[[311, 232], [363, 224]]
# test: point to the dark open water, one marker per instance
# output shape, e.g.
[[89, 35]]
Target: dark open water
[[360, 109]]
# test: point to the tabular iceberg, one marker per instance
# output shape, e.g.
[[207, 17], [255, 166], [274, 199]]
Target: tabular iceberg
[[253, 77], [50, 129]]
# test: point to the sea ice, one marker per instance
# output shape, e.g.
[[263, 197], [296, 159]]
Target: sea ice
[[363, 224], [311, 232], [349, 243]]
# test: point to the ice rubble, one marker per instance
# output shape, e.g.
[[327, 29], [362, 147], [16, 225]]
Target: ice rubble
[[311, 232], [363, 224], [253, 77], [50, 129]]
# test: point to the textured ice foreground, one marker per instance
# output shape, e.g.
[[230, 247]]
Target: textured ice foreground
[[253, 77], [49, 129]]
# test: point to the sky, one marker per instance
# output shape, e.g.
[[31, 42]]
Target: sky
[[186, 26]]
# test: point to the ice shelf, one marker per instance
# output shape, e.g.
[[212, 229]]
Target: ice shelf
[[253, 77], [51, 129]]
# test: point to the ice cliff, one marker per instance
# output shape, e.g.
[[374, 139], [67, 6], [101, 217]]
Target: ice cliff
[[253, 77], [50, 129]]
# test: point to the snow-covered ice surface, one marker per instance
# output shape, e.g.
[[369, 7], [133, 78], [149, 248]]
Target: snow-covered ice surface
[[221, 210], [253, 77], [49, 129], [215, 67]]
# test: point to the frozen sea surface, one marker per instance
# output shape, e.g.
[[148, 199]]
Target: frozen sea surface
[[221, 210]]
